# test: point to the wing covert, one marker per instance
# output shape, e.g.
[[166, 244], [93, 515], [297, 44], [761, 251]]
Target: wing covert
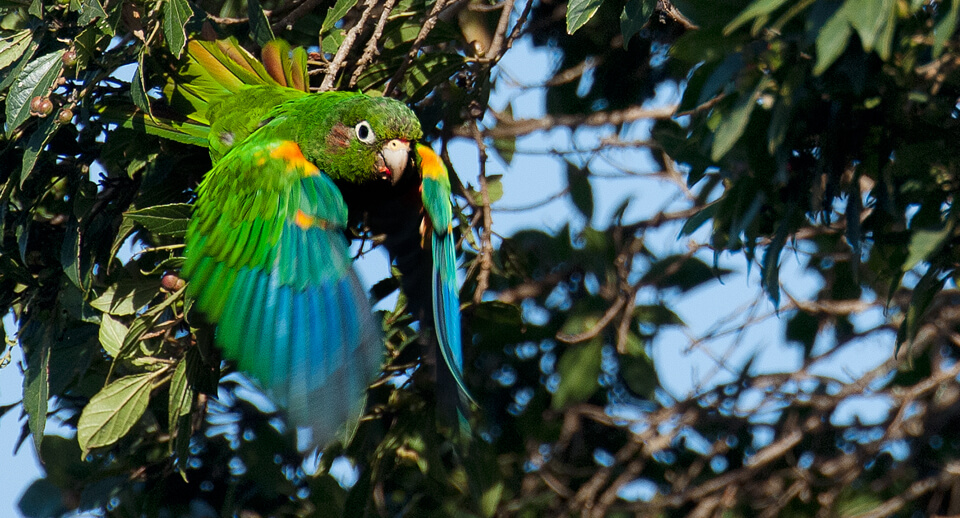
[[268, 263]]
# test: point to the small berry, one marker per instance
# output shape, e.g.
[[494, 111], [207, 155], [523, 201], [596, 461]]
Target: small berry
[[46, 108], [69, 58], [65, 116], [171, 282], [35, 104]]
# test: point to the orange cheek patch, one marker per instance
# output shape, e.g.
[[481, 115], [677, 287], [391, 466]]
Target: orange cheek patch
[[289, 152]]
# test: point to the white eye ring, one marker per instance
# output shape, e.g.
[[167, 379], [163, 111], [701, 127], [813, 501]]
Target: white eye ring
[[365, 132]]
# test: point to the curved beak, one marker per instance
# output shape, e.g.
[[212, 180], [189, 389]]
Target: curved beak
[[393, 159]]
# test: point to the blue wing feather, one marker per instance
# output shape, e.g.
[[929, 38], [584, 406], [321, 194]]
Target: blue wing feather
[[275, 275]]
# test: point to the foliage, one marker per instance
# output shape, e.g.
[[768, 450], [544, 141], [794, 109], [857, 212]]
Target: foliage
[[818, 129]]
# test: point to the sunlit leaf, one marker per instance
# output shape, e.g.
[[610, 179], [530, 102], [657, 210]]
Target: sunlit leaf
[[35, 80], [112, 332], [176, 14], [832, 40], [335, 13], [12, 47], [166, 220], [579, 13], [113, 411]]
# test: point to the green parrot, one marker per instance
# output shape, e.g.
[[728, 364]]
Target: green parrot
[[266, 252]]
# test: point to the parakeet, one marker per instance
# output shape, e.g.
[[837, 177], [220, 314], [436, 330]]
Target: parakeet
[[266, 255]]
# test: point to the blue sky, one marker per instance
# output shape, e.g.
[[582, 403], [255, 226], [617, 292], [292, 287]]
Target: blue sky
[[534, 177]]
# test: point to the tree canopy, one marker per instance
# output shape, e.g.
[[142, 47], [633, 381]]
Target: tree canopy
[[812, 136]]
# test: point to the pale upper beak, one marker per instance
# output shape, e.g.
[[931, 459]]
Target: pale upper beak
[[393, 159]]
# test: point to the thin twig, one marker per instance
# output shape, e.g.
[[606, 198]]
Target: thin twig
[[371, 49], [345, 47]]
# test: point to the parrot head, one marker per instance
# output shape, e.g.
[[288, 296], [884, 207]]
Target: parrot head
[[361, 138]]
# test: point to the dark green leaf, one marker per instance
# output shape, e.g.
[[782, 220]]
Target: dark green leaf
[[734, 123], [581, 192], [680, 271], [127, 296], [38, 140], [697, 220], [259, 23], [634, 16], [36, 386], [637, 370], [138, 88], [42, 499], [803, 328]]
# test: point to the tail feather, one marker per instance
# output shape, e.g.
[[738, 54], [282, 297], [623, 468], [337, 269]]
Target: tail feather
[[286, 66]]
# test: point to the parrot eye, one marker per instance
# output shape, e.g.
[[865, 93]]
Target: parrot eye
[[365, 132]]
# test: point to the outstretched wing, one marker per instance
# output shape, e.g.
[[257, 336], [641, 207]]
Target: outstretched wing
[[268, 262], [446, 294]]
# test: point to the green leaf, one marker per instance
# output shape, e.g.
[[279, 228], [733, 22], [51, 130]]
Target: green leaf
[[579, 13], [759, 8], [581, 192], [259, 23], [35, 80], [165, 220], [873, 19], [680, 271], [25, 59], [138, 88], [332, 41], [36, 9], [803, 328], [734, 122], [176, 14], [36, 386], [143, 323], [91, 10], [113, 411], [335, 13], [38, 140], [832, 40], [12, 47], [923, 244], [944, 29], [637, 370], [634, 16], [181, 397], [579, 368], [112, 333], [70, 253], [697, 220], [42, 499], [127, 296]]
